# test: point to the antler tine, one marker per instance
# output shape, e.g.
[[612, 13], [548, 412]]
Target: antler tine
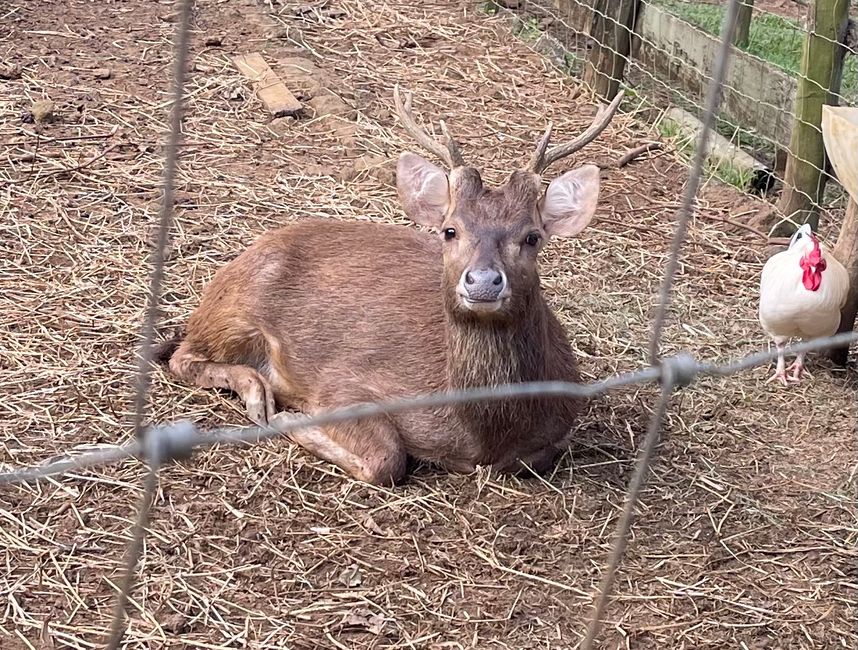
[[448, 152], [536, 161], [456, 159], [542, 158]]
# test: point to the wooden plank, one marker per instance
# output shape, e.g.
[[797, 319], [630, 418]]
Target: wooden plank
[[267, 85]]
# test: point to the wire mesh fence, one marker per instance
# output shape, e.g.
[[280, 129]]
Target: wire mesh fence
[[766, 140], [160, 445]]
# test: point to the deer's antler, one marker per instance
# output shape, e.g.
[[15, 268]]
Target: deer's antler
[[448, 151], [543, 156]]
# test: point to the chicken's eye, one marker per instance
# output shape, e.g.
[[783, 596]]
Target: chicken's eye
[[532, 239], [797, 236], [449, 233]]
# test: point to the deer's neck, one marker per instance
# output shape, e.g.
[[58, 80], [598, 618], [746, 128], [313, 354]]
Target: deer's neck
[[485, 353], [490, 354]]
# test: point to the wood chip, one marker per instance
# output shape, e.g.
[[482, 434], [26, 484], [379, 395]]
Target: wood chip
[[277, 98]]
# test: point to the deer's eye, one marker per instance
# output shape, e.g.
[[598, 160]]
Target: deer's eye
[[449, 233], [532, 239]]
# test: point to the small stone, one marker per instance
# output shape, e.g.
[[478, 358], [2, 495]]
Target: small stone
[[103, 73], [371, 525], [281, 125], [9, 71], [175, 623], [43, 111], [363, 619], [237, 92], [214, 41]]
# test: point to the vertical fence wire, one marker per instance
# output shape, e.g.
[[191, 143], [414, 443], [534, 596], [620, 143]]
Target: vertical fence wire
[[713, 97], [165, 220], [152, 447], [154, 455], [669, 378]]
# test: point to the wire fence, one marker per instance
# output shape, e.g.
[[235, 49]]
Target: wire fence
[[160, 445], [662, 53]]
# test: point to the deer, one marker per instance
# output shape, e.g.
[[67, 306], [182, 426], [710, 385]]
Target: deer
[[325, 313]]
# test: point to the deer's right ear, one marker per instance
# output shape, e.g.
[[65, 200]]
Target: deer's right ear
[[570, 201], [424, 190]]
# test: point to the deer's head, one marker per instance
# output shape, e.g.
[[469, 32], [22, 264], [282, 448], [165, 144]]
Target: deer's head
[[492, 236]]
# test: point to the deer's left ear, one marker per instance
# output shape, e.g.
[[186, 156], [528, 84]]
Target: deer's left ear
[[570, 201], [424, 190]]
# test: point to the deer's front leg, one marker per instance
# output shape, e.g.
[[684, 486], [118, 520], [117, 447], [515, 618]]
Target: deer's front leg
[[369, 450]]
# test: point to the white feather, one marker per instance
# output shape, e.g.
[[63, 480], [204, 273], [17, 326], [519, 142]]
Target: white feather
[[787, 308]]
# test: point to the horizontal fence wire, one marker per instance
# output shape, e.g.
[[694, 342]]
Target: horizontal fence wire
[[575, 40], [182, 438], [158, 445]]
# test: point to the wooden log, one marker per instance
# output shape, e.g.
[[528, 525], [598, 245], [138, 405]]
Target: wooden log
[[846, 252], [612, 30], [277, 98]]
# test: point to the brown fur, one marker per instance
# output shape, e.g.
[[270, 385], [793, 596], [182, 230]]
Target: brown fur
[[324, 313]]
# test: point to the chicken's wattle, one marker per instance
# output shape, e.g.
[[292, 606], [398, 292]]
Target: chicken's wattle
[[813, 265]]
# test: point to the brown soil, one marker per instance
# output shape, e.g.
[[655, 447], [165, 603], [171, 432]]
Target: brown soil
[[746, 532]]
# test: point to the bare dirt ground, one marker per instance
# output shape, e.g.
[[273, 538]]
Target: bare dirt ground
[[746, 532]]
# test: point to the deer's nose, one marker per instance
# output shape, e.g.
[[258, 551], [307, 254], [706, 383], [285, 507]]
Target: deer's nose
[[484, 285]]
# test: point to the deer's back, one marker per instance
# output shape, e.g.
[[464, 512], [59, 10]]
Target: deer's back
[[323, 302]]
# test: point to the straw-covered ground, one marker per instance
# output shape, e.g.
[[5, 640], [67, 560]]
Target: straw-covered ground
[[746, 532]]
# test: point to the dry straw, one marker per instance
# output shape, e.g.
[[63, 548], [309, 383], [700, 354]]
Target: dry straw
[[263, 546]]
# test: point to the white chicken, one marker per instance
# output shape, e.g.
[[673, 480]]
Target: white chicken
[[802, 291]]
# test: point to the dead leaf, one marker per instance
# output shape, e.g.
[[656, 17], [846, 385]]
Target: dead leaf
[[364, 619], [371, 526], [351, 576]]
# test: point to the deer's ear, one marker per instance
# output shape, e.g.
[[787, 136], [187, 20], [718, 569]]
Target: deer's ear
[[570, 201], [424, 190]]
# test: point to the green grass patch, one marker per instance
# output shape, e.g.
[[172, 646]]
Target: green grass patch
[[529, 30], [772, 38]]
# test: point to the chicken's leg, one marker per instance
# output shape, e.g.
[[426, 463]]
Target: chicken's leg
[[797, 369], [780, 372]]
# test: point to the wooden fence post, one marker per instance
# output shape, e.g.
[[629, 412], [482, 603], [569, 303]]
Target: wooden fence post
[[612, 29], [819, 79], [742, 35]]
